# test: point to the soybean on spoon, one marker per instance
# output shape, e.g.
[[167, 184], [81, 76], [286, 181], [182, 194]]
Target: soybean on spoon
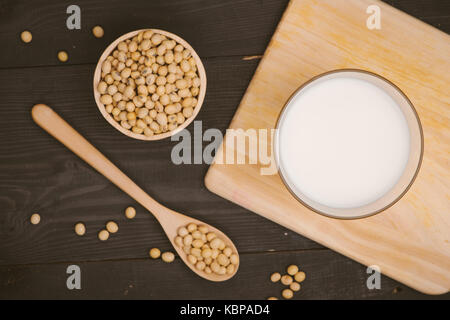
[[170, 220]]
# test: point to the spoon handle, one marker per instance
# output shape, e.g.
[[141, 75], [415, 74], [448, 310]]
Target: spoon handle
[[56, 126]]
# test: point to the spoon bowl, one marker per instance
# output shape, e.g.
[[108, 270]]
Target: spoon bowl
[[173, 220], [169, 219]]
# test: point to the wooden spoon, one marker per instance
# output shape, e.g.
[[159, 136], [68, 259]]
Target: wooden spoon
[[170, 220]]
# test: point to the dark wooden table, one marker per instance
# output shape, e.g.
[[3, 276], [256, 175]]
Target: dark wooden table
[[37, 174]]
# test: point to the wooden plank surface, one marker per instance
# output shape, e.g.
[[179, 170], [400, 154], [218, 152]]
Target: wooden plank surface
[[148, 279], [408, 241], [85, 195], [39, 174], [213, 28]]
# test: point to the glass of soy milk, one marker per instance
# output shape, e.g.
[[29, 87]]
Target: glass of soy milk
[[348, 144]]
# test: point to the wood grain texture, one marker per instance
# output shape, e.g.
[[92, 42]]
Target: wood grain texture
[[212, 27], [410, 241], [170, 220], [38, 174], [328, 276]]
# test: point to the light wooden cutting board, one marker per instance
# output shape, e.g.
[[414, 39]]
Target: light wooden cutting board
[[410, 241]]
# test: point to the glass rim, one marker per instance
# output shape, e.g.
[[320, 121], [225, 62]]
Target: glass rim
[[405, 189]]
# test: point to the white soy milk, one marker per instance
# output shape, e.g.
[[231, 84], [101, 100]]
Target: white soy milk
[[343, 142]]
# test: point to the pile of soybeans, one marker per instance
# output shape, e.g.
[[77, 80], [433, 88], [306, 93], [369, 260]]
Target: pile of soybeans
[[206, 251], [149, 84]]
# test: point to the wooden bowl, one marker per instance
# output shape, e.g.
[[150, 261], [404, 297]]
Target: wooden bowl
[[113, 122]]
